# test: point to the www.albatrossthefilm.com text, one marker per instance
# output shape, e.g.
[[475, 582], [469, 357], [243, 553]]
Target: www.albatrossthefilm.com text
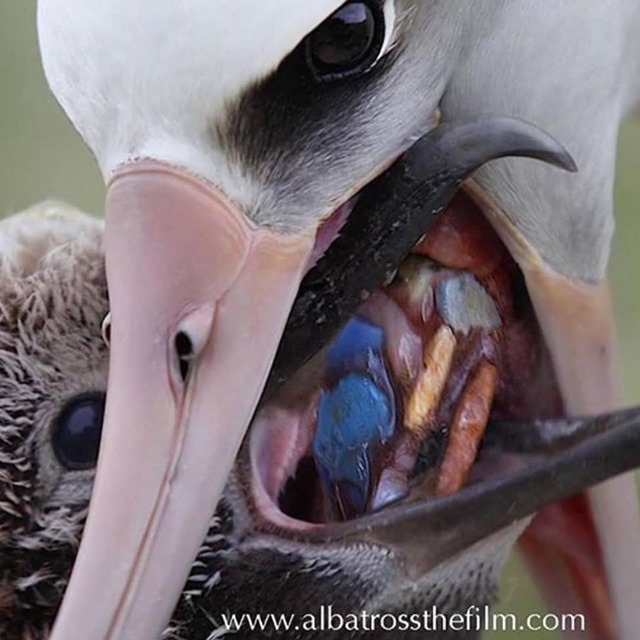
[[473, 619]]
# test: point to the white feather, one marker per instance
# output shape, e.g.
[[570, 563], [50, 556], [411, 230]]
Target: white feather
[[147, 79]]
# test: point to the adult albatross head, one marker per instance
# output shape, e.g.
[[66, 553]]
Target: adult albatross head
[[227, 135]]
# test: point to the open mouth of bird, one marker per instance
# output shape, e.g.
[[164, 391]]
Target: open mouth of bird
[[395, 408]]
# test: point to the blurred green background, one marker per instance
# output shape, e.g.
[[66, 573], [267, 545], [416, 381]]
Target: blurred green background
[[42, 157]]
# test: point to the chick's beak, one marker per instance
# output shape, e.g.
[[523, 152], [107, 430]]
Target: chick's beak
[[199, 299]]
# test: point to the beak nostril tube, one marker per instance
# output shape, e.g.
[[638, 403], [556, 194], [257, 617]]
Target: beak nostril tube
[[191, 338], [185, 355]]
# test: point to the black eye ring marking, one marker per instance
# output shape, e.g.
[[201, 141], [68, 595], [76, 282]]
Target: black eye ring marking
[[347, 44], [77, 430]]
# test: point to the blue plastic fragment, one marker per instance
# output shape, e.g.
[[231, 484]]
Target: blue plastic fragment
[[355, 416], [355, 345]]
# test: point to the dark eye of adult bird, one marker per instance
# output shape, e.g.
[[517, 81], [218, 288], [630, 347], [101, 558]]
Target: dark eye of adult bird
[[76, 438], [347, 43]]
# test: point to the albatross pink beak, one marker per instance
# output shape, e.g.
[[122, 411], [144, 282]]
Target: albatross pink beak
[[199, 299]]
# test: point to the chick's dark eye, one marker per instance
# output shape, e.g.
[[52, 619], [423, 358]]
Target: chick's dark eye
[[77, 431], [348, 42]]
